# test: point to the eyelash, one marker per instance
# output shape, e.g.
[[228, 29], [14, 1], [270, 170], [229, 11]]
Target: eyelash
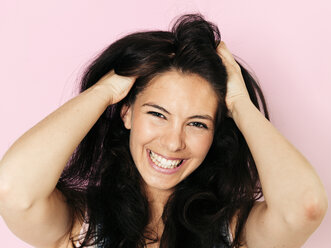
[[195, 124], [199, 125], [157, 114]]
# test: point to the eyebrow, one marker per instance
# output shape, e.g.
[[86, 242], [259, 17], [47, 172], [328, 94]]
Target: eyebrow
[[205, 117], [156, 106]]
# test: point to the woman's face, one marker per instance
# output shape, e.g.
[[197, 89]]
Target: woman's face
[[171, 127]]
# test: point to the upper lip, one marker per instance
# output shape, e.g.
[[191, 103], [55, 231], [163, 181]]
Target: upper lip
[[166, 157]]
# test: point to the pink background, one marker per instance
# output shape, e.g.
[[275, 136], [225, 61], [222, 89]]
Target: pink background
[[44, 46]]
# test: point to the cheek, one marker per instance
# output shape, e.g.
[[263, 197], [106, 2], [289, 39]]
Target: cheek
[[142, 131], [200, 144]]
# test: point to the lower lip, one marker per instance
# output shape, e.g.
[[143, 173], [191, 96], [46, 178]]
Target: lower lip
[[163, 170]]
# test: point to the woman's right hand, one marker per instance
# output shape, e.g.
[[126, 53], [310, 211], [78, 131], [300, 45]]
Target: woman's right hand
[[117, 86]]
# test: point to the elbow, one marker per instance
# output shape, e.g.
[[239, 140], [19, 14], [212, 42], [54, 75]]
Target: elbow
[[4, 189], [310, 212], [9, 200], [316, 207]]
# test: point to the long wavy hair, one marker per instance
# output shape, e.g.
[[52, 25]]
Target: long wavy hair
[[101, 183]]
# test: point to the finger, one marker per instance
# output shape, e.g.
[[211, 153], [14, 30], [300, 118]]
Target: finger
[[226, 56], [225, 53], [223, 49]]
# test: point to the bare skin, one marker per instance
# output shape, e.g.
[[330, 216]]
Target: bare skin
[[295, 199], [36, 212]]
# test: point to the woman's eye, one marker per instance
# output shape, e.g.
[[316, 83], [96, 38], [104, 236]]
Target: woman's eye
[[157, 114], [199, 125]]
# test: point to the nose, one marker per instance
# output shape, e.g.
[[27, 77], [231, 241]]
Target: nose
[[174, 139]]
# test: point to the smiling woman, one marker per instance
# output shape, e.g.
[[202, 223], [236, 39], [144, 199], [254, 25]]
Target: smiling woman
[[172, 125], [165, 146]]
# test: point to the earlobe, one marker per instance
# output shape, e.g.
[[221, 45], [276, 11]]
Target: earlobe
[[126, 115]]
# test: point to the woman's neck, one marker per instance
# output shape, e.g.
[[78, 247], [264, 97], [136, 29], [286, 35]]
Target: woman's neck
[[157, 199]]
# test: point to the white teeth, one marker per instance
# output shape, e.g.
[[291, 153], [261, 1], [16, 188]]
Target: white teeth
[[162, 162]]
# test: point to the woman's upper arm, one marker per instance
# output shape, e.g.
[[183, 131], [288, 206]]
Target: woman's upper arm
[[44, 224], [265, 228]]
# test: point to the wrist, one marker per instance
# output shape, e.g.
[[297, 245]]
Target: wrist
[[102, 93], [240, 108]]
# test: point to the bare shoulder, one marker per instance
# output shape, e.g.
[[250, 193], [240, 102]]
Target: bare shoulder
[[256, 227], [53, 223], [249, 224]]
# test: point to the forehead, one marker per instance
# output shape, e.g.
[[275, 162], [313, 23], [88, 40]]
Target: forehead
[[176, 90]]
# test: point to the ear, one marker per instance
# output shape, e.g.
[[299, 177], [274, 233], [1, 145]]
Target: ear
[[126, 114]]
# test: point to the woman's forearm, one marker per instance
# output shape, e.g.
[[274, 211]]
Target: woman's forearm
[[32, 166], [290, 184]]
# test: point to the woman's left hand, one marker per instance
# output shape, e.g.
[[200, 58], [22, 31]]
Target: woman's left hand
[[236, 88]]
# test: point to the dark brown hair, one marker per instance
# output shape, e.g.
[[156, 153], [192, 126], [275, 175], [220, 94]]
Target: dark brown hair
[[101, 182]]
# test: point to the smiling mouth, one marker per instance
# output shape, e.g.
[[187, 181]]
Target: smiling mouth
[[164, 163]]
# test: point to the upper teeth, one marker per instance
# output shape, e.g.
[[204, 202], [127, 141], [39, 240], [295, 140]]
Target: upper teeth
[[162, 162]]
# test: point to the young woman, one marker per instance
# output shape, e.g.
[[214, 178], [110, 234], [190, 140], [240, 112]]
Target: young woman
[[165, 146]]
